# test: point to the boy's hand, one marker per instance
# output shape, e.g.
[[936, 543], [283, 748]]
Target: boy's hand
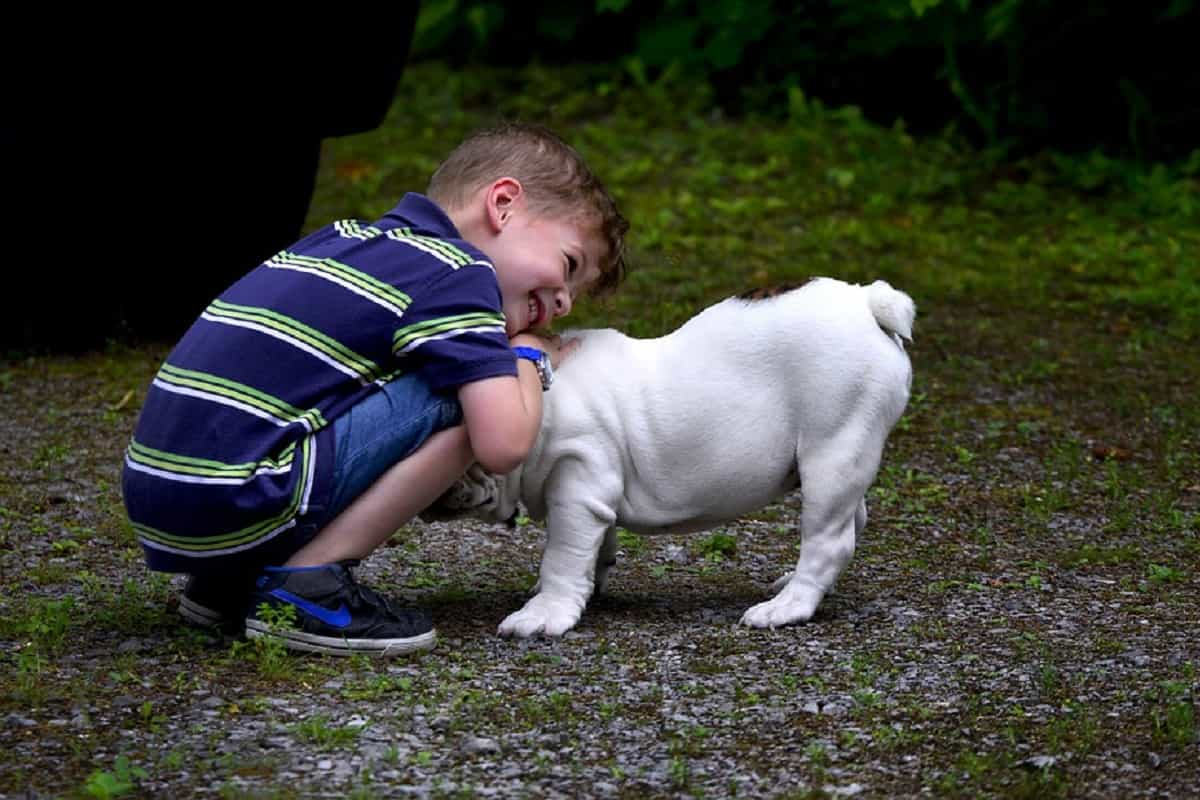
[[554, 346]]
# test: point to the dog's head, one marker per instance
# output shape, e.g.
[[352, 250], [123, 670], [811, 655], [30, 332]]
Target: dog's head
[[481, 494]]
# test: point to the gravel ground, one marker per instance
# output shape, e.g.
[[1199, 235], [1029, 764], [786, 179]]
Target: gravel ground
[[1020, 620]]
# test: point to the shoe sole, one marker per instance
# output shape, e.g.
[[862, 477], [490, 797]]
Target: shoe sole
[[205, 617], [334, 646]]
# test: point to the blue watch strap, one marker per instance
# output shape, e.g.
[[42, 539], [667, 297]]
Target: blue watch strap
[[540, 360], [531, 353]]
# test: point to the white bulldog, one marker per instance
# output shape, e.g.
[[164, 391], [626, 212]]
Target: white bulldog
[[750, 398]]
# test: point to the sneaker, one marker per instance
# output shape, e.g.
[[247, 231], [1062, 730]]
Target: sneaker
[[216, 602], [336, 615]]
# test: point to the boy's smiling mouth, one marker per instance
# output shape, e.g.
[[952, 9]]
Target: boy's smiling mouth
[[535, 311]]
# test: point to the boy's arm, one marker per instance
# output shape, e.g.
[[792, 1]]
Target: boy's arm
[[503, 414]]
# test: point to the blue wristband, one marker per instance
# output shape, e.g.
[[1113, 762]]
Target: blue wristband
[[531, 353]]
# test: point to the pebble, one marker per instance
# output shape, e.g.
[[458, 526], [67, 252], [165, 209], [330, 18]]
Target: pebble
[[677, 554], [476, 745]]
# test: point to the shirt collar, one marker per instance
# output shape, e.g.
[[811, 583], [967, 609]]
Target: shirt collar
[[418, 211]]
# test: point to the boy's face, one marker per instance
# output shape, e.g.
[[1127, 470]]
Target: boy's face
[[543, 264]]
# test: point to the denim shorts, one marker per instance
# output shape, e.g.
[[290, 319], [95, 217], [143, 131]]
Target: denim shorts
[[382, 430]]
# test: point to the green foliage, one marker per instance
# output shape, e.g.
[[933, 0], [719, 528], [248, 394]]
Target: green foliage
[[30, 666], [705, 36], [718, 546], [120, 781], [1015, 74], [630, 542], [137, 606], [1161, 574], [1174, 718], [44, 623], [317, 730], [269, 653]]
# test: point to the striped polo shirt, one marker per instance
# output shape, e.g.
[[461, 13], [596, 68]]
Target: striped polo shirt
[[234, 442]]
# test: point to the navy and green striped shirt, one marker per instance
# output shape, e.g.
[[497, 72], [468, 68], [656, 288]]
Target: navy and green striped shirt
[[234, 441]]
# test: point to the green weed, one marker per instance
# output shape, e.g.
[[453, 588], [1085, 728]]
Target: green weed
[[717, 547], [317, 730], [1089, 554], [1174, 718], [121, 780], [269, 653], [630, 542], [44, 624], [1160, 574]]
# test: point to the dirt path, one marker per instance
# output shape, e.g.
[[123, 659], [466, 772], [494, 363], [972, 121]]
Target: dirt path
[[1020, 619]]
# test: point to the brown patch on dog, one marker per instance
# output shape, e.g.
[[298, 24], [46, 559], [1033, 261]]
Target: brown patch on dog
[[767, 292]]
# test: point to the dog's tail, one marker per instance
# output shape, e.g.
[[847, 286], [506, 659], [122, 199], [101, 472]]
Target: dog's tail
[[892, 308]]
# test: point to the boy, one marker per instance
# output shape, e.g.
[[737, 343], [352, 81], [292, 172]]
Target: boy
[[341, 386]]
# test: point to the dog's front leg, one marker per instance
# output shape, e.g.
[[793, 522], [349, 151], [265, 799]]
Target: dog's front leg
[[574, 534]]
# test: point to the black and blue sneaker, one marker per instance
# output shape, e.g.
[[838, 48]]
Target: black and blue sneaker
[[217, 601], [334, 614]]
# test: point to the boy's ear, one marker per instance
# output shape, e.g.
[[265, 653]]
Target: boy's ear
[[503, 198]]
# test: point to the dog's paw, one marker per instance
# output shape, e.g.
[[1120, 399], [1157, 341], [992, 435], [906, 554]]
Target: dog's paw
[[794, 603], [542, 615]]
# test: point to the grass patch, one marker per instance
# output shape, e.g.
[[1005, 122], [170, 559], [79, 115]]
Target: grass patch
[[318, 731]]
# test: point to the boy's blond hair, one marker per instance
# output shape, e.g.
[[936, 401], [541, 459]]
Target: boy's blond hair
[[557, 182]]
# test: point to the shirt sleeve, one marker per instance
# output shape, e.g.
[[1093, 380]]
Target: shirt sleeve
[[456, 335]]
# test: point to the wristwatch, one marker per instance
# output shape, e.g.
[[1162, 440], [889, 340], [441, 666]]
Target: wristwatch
[[541, 361]]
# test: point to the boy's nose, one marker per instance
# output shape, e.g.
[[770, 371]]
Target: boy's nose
[[562, 303]]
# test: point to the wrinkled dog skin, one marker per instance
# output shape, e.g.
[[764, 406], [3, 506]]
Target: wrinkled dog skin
[[750, 398]]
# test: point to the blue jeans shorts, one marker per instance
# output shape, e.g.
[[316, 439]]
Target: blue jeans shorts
[[384, 429]]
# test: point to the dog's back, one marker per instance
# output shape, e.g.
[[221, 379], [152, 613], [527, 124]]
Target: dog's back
[[826, 332]]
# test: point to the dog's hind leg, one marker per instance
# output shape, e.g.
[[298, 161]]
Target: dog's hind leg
[[860, 523], [834, 479]]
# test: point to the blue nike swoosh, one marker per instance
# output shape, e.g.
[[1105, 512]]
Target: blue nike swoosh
[[339, 618]]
